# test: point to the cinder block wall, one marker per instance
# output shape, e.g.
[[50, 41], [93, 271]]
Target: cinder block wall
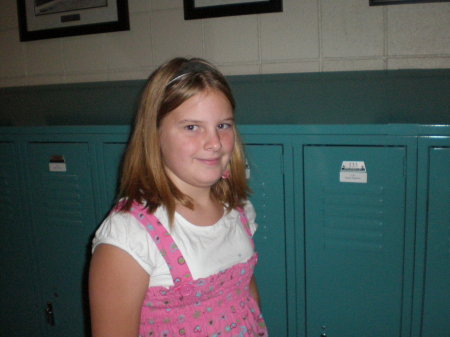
[[309, 36]]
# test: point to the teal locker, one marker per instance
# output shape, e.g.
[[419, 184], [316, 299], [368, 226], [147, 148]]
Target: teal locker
[[20, 315], [354, 236], [267, 183], [436, 300], [63, 217]]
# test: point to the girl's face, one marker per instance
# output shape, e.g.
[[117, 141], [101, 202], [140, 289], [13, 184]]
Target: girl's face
[[197, 140]]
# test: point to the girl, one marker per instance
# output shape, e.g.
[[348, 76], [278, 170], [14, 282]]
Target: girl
[[175, 257]]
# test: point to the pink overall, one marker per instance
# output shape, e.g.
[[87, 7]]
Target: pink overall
[[218, 305]]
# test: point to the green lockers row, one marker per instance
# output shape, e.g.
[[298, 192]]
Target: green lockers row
[[354, 231]]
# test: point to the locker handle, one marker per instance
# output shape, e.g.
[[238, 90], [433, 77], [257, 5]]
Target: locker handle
[[324, 332], [50, 314]]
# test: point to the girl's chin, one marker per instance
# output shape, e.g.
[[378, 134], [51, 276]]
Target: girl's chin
[[209, 182]]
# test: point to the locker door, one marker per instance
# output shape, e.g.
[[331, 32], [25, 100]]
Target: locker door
[[267, 184], [18, 300], [354, 234], [436, 304], [62, 205]]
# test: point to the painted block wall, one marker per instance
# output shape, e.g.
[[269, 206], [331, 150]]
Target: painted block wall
[[308, 36]]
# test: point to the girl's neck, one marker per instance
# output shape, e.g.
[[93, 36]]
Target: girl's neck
[[206, 211]]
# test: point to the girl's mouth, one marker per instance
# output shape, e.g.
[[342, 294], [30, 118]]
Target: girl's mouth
[[210, 162]]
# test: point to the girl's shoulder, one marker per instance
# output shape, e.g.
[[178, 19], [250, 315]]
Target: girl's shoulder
[[249, 210], [118, 228], [250, 214], [123, 230]]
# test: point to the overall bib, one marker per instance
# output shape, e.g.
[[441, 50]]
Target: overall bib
[[218, 305]]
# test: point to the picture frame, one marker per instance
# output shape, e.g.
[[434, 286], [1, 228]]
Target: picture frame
[[199, 9], [46, 19], [398, 2]]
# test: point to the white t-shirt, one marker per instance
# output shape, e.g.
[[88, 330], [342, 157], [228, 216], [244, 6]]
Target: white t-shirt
[[206, 249]]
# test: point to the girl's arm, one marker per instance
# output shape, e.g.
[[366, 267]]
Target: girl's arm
[[254, 290], [117, 287]]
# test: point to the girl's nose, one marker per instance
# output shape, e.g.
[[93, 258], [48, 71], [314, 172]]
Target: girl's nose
[[213, 142]]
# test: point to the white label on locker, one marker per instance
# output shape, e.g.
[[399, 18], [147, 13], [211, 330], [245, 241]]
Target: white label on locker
[[57, 164], [353, 172]]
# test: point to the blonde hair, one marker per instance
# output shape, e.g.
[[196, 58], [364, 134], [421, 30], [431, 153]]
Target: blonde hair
[[143, 176]]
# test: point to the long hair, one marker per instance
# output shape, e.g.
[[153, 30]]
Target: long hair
[[144, 178]]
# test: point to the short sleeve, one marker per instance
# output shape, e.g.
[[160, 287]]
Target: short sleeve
[[251, 216], [122, 230]]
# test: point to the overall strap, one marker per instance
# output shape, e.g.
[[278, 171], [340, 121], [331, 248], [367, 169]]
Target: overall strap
[[245, 224], [165, 243]]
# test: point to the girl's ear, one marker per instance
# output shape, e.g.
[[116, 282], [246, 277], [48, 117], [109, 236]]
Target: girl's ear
[[226, 174]]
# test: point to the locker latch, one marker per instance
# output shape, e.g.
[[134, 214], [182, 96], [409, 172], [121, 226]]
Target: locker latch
[[50, 314], [324, 333]]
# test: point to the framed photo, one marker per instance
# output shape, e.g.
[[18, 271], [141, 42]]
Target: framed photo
[[198, 9], [45, 19], [397, 2]]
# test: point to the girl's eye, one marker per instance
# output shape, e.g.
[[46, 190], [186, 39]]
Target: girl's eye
[[224, 126], [191, 127]]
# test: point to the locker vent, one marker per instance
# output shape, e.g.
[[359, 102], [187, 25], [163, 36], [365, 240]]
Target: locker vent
[[447, 220], [59, 198], [7, 188], [6, 198], [354, 221]]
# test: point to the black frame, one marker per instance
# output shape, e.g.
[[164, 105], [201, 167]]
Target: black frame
[[122, 23], [398, 2], [265, 6]]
